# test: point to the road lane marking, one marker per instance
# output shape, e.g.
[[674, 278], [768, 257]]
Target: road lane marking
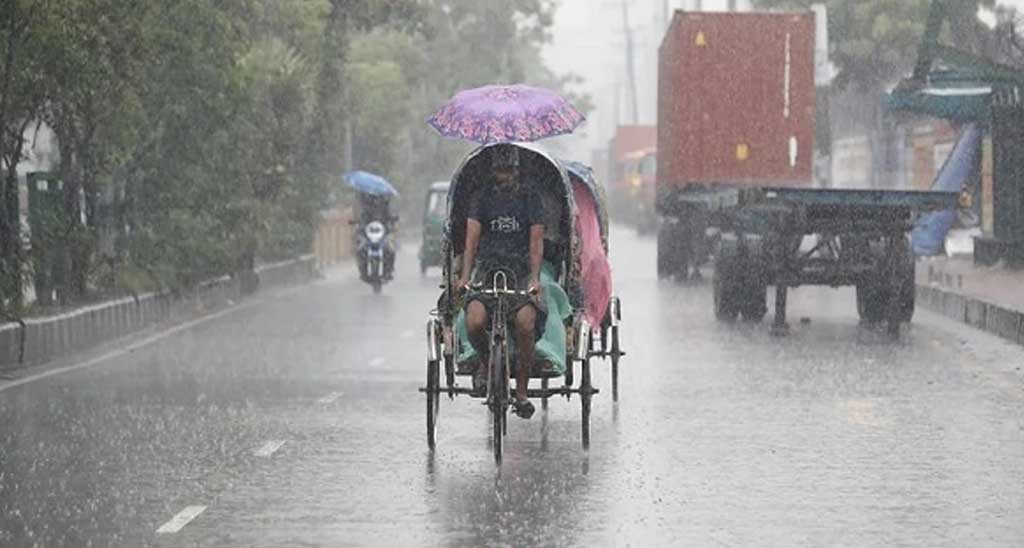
[[269, 448], [329, 398], [182, 519], [132, 347], [376, 362]]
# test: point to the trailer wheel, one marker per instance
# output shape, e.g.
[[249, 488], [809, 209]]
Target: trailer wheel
[[725, 288], [870, 302], [669, 250], [755, 304], [874, 296], [666, 259], [907, 289]]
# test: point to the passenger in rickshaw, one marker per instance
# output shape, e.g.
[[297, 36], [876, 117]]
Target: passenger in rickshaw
[[505, 232]]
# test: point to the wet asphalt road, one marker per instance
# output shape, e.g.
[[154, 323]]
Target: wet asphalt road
[[723, 434]]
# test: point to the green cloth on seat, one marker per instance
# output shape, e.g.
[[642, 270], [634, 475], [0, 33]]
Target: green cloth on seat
[[551, 346]]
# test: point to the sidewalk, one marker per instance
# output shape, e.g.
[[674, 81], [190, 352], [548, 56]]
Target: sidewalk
[[989, 298], [39, 339]]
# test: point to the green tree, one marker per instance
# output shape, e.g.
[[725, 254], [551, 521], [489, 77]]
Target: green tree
[[874, 42], [22, 97]]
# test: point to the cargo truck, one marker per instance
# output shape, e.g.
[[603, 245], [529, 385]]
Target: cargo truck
[[631, 176], [736, 122]]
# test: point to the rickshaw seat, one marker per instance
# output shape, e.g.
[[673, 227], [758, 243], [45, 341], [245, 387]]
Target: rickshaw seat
[[551, 347]]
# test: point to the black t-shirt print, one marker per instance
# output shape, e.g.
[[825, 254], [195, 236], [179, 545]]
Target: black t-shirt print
[[506, 219]]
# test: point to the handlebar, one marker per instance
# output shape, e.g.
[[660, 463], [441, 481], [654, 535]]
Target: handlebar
[[506, 292], [499, 287]]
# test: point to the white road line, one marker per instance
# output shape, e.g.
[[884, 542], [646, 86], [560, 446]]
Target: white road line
[[130, 348], [376, 362], [269, 448], [329, 398], [182, 519]]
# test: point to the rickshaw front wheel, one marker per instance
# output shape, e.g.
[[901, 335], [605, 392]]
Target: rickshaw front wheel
[[499, 397], [433, 400]]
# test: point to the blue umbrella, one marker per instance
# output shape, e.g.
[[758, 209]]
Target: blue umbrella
[[368, 183]]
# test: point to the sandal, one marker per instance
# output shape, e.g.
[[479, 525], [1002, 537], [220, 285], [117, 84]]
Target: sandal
[[523, 408]]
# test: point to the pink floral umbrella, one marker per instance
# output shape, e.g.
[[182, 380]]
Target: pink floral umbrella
[[504, 114]]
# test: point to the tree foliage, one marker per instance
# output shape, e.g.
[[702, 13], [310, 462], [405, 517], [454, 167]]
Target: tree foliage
[[874, 42], [198, 137]]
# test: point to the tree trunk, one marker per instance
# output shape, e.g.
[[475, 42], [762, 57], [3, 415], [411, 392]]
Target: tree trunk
[[10, 265]]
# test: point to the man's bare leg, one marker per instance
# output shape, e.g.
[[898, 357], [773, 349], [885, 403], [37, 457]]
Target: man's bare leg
[[476, 328], [525, 325]]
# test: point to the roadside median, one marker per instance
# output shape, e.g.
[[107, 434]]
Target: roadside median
[[37, 340], [987, 298]]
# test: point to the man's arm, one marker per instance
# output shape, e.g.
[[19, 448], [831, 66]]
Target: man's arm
[[473, 230], [536, 254]]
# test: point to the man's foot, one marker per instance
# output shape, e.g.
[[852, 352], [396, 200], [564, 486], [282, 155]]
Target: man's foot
[[523, 408]]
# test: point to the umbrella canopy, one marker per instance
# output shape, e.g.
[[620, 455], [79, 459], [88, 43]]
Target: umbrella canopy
[[369, 183], [505, 114]]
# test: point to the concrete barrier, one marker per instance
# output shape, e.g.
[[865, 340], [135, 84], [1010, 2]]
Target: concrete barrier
[[54, 336], [1003, 322], [986, 316], [977, 312], [954, 306]]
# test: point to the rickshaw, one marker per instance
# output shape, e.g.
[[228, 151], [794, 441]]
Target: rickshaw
[[565, 349], [604, 308], [434, 215]]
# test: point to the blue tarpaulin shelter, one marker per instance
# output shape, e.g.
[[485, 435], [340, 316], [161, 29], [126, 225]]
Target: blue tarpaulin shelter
[[960, 168]]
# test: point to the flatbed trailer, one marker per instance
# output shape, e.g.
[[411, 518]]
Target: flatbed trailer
[[859, 238]]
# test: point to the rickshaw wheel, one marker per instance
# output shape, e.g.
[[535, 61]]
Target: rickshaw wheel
[[544, 388], [585, 397], [449, 374], [433, 400], [499, 396], [615, 354], [376, 287], [569, 376]]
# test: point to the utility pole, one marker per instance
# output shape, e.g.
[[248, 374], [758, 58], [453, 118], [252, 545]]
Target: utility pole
[[630, 65]]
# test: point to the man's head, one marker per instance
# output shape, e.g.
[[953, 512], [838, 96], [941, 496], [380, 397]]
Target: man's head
[[505, 166]]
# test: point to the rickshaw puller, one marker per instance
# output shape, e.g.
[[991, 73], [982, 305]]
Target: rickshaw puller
[[505, 231]]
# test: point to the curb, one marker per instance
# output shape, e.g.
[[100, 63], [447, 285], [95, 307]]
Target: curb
[[42, 339], [988, 317]]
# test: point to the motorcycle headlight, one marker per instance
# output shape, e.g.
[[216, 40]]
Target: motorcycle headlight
[[375, 232]]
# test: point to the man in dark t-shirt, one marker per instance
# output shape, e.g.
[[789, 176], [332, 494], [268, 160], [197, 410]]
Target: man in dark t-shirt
[[505, 232]]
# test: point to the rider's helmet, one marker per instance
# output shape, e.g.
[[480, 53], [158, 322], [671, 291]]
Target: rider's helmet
[[504, 156]]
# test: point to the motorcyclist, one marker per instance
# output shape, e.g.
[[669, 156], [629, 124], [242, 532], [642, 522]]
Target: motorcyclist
[[505, 231], [377, 208]]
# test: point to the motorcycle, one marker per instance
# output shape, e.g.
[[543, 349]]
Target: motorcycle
[[375, 254]]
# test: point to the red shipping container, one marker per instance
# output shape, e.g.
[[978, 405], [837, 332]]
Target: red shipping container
[[736, 99]]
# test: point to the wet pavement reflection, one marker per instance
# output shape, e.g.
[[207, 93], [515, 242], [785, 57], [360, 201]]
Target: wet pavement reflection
[[297, 422]]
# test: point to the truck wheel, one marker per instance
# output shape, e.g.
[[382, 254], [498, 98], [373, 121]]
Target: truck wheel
[[684, 255], [870, 302], [755, 305], [908, 288], [873, 297], [725, 288], [665, 259]]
